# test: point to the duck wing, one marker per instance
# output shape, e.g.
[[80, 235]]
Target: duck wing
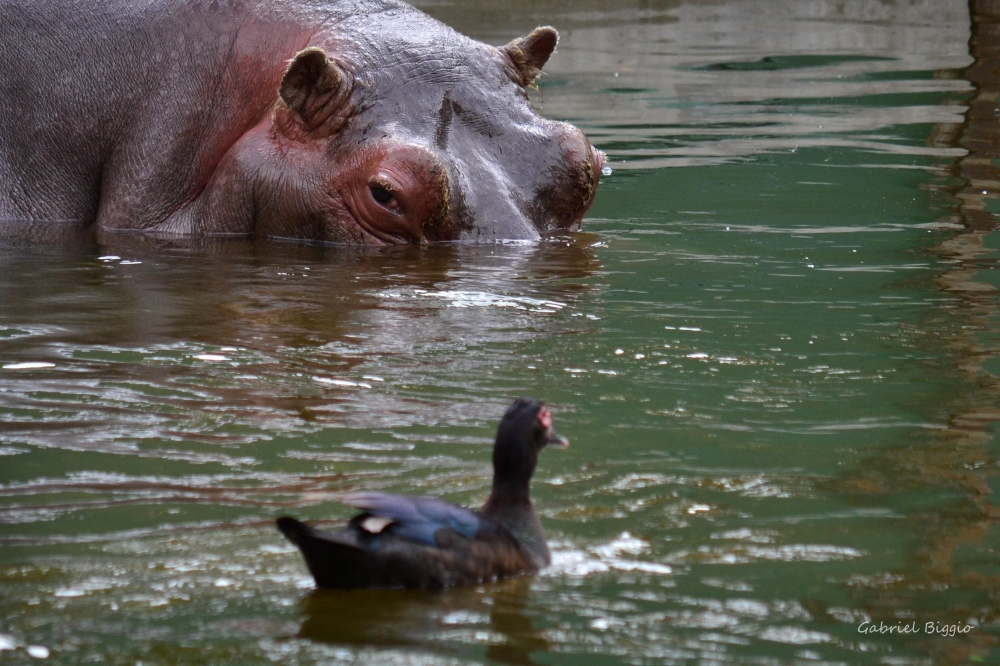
[[419, 519]]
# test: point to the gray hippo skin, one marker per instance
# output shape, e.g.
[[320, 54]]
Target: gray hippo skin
[[345, 121]]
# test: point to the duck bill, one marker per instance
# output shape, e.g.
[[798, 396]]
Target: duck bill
[[557, 441]]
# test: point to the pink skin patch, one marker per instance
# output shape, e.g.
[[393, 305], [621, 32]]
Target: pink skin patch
[[545, 418]]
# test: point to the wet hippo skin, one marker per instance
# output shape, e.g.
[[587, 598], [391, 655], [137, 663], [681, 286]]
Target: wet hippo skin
[[362, 122]]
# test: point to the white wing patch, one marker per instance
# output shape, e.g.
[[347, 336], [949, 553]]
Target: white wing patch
[[375, 524]]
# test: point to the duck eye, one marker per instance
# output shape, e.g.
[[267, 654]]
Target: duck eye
[[383, 196]]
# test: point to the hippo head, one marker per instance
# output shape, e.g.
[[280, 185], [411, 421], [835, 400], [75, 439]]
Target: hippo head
[[412, 133]]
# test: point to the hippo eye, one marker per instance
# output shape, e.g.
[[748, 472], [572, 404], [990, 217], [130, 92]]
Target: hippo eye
[[383, 196]]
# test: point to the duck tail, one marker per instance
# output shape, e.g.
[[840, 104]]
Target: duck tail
[[333, 561], [294, 530]]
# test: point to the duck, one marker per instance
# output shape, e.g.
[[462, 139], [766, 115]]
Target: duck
[[418, 542]]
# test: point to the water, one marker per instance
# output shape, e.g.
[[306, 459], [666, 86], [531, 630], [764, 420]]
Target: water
[[773, 349]]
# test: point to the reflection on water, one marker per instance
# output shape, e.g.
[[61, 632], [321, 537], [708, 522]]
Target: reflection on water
[[774, 350], [265, 341], [667, 83], [497, 615], [957, 549]]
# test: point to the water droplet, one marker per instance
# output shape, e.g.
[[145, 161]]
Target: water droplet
[[606, 170], [337, 382], [38, 651], [30, 365]]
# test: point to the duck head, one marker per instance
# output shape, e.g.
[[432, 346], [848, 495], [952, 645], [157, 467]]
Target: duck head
[[526, 429]]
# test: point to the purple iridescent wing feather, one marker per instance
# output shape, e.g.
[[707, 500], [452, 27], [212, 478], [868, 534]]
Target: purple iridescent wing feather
[[418, 518]]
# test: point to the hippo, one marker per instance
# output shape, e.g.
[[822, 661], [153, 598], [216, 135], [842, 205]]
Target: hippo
[[362, 122]]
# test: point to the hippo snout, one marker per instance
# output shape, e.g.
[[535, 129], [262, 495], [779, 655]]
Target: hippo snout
[[572, 186], [597, 158]]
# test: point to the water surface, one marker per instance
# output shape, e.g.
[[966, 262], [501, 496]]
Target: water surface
[[773, 348]]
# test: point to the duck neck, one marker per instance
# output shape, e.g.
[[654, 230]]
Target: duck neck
[[509, 493], [511, 478]]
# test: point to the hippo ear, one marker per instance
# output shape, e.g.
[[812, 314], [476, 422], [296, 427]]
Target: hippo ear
[[314, 89], [529, 54]]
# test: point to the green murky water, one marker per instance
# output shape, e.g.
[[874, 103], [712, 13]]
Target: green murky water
[[772, 348]]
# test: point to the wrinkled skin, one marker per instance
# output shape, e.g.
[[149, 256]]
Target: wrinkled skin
[[345, 121]]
